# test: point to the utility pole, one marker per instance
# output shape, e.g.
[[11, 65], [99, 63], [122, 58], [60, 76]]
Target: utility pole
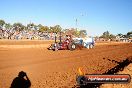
[[76, 23]]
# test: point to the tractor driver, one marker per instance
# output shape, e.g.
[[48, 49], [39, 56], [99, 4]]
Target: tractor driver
[[67, 39]]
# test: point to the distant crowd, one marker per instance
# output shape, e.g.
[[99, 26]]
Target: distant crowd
[[25, 34]]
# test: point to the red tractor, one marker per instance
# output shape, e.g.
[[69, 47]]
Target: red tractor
[[67, 44]]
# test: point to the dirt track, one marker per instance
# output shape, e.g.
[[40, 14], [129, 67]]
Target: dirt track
[[48, 69]]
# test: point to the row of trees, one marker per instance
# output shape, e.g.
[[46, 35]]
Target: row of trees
[[20, 27], [57, 28], [128, 35], [107, 35], [41, 28]]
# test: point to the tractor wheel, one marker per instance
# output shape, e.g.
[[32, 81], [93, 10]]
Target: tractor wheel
[[55, 47], [72, 46], [50, 47], [91, 46]]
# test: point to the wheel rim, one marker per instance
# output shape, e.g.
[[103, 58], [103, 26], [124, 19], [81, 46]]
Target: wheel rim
[[73, 46]]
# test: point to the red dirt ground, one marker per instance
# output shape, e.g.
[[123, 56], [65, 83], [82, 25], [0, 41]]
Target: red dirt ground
[[49, 69]]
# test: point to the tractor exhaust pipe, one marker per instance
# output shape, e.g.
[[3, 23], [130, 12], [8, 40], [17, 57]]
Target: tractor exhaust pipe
[[55, 37], [60, 37]]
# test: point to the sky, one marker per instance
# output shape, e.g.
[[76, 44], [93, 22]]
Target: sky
[[95, 16]]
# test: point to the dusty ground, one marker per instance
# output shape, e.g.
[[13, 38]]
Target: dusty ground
[[48, 69]]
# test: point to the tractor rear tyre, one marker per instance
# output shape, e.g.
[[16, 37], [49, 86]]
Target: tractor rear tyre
[[91, 46], [72, 46]]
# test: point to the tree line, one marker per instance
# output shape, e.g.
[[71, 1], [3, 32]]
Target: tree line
[[57, 28], [107, 35], [41, 28]]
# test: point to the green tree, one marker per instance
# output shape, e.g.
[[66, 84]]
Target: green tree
[[83, 33], [120, 35], [111, 36], [75, 32], [72, 31], [8, 26], [105, 35], [18, 26], [2, 22], [129, 34], [31, 26], [43, 28], [39, 26], [56, 29]]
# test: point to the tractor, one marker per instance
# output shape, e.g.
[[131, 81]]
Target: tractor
[[67, 44]]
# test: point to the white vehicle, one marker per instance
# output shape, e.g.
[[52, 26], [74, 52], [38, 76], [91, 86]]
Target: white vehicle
[[86, 42]]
